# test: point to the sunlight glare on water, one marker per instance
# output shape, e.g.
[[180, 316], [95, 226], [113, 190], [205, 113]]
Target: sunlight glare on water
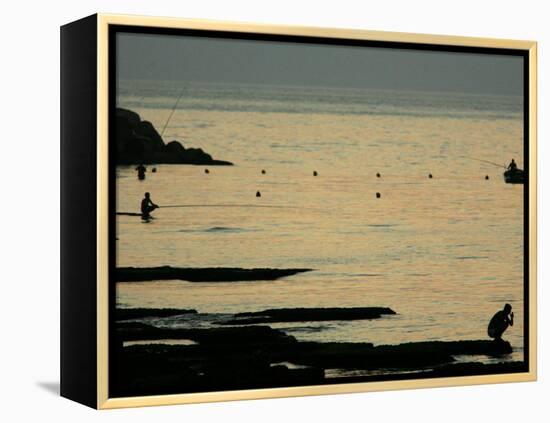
[[445, 253]]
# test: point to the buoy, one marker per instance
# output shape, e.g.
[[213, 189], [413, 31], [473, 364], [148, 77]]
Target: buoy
[[430, 176], [378, 195], [258, 194], [154, 170], [486, 177], [314, 173], [378, 175], [206, 171], [263, 171]]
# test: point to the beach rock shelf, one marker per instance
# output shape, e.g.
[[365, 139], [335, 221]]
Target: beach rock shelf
[[309, 315], [231, 337], [137, 141], [248, 357], [208, 274]]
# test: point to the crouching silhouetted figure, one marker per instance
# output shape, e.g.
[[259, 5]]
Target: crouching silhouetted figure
[[500, 322], [147, 206]]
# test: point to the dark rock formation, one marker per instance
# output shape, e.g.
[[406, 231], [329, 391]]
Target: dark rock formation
[[446, 370], [308, 315], [249, 335], [252, 357], [224, 358], [207, 274], [138, 142], [409, 356]]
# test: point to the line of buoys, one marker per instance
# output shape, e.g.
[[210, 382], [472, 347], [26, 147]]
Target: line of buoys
[[315, 173]]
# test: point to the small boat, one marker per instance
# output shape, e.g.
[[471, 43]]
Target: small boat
[[514, 176]]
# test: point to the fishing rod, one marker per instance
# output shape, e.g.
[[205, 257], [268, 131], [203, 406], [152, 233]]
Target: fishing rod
[[171, 113], [486, 161]]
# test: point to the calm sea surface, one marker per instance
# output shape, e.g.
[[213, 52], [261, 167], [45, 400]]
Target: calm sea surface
[[444, 253]]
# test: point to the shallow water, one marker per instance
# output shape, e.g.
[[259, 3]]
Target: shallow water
[[444, 253]]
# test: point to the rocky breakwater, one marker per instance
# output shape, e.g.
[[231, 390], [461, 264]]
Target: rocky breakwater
[[138, 142]]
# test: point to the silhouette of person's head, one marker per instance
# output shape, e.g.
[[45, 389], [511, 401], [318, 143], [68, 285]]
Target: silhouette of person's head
[[507, 308], [513, 161], [147, 195]]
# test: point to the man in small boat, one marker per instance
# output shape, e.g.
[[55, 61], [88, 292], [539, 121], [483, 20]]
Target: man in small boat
[[500, 322], [141, 171], [147, 206], [512, 166]]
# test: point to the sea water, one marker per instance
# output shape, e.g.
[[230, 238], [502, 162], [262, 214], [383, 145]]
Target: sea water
[[444, 252]]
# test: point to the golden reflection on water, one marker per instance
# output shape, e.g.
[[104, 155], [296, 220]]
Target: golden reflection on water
[[445, 253]]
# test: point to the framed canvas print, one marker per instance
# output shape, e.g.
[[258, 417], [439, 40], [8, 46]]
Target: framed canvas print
[[254, 211]]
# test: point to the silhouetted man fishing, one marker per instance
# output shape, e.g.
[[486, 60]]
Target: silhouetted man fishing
[[141, 171], [147, 206], [512, 166], [500, 322]]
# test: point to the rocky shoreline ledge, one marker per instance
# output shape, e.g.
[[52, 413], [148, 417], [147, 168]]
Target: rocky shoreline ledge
[[205, 274], [258, 356], [138, 142], [282, 315]]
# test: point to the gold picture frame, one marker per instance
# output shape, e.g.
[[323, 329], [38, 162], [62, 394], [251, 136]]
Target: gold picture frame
[[97, 34]]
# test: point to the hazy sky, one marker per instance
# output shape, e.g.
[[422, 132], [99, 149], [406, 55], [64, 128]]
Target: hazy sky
[[168, 57]]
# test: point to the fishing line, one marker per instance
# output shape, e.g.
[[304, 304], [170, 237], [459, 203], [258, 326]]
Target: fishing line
[[485, 161], [171, 114]]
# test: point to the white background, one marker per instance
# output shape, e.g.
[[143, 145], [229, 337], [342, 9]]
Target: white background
[[29, 236]]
